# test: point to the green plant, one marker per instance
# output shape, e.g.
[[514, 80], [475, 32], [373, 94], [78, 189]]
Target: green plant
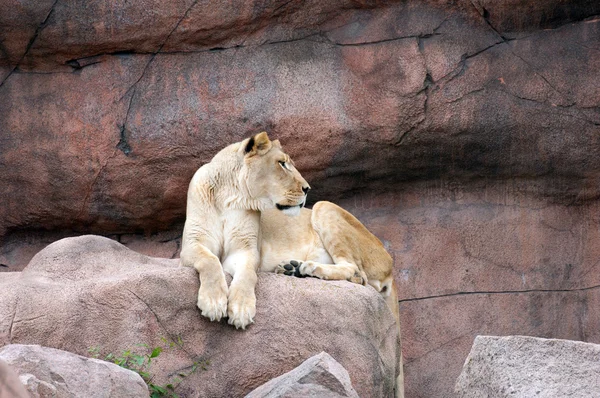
[[140, 363]]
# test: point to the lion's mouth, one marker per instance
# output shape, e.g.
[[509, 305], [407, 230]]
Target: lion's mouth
[[289, 207], [286, 207], [291, 210]]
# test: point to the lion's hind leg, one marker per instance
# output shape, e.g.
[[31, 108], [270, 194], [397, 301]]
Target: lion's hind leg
[[348, 241]]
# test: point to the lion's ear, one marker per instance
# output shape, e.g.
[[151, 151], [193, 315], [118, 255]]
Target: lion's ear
[[276, 144], [259, 144]]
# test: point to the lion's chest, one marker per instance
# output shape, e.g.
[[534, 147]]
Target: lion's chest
[[285, 238]]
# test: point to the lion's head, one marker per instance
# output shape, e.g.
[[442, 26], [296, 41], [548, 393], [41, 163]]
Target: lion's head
[[269, 174]]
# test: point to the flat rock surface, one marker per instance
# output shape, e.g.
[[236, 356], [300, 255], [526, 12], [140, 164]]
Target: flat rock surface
[[108, 298], [520, 366]]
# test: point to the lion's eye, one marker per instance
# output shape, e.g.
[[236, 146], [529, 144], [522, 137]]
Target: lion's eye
[[284, 165]]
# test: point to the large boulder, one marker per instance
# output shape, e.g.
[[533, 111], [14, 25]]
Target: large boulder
[[47, 372], [93, 293], [319, 376], [520, 366]]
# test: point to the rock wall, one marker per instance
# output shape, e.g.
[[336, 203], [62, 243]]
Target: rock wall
[[465, 134], [483, 263]]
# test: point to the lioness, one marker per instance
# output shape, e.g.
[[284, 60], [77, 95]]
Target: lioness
[[240, 218]]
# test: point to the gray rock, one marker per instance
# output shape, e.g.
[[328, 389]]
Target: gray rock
[[319, 376], [10, 385], [520, 366], [48, 372]]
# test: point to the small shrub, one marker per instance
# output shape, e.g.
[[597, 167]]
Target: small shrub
[[140, 363]]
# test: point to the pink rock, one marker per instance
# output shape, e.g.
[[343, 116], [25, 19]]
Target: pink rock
[[391, 94], [483, 260]]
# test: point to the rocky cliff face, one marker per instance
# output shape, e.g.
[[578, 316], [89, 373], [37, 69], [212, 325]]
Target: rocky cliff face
[[465, 134]]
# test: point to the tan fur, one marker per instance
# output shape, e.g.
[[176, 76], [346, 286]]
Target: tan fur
[[232, 214], [221, 230]]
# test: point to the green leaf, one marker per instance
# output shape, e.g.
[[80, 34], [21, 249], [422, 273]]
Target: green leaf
[[156, 352], [145, 375], [94, 352], [158, 389], [155, 394], [139, 360]]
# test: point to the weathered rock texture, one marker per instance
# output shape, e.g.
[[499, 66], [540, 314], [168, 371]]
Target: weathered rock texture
[[103, 295], [518, 366], [47, 372], [319, 376], [10, 385], [466, 134], [107, 110], [483, 263]]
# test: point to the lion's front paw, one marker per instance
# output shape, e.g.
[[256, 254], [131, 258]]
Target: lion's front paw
[[291, 268], [241, 309], [212, 301]]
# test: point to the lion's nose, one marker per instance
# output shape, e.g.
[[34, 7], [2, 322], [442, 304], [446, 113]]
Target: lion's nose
[[305, 189]]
